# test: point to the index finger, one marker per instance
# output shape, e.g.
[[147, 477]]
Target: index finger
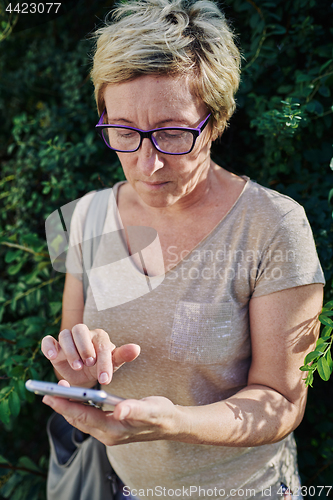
[[103, 348]]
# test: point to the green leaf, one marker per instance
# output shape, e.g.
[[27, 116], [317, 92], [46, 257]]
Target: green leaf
[[9, 486], [14, 403], [31, 397], [324, 66], [324, 369], [34, 494], [328, 312], [315, 106], [46, 189], [4, 411], [12, 270], [20, 493], [12, 255], [2, 310], [326, 333], [42, 265], [3, 460], [55, 307], [278, 30], [13, 304], [32, 278], [17, 371], [22, 343], [325, 320], [34, 374], [309, 379], [7, 334], [328, 305], [310, 357], [31, 240], [324, 91], [321, 343], [17, 358], [329, 360], [34, 320], [28, 464], [20, 388], [303, 77]]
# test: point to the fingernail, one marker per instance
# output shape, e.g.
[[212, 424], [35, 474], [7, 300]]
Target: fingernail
[[90, 361], [51, 354], [124, 412], [77, 365], [103, 378]]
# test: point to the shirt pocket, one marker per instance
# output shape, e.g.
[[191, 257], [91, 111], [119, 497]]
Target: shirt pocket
[[201, 333]]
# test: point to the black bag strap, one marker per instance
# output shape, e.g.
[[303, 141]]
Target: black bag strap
[[92, 232]]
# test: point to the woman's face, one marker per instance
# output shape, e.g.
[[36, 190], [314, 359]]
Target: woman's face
[[150, 102]]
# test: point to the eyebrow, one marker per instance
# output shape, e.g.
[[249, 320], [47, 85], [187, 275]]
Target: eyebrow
[[160, 124], [120, 120]]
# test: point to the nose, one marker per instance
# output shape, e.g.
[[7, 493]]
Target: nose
[[149, 159]]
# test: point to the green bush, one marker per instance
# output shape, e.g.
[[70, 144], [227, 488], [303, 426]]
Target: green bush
[[50, 155]]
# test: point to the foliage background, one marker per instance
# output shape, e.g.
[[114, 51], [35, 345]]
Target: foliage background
[[50, 155]]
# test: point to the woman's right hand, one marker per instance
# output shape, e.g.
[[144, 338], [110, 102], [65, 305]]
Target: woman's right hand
[[83, 357]]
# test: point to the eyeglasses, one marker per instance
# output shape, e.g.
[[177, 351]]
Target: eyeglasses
[[168, 140]]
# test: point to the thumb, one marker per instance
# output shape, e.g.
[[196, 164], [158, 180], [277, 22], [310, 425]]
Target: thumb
[[124, 354]]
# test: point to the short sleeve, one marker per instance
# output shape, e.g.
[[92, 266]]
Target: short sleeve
[[289, 257], [74, 253]]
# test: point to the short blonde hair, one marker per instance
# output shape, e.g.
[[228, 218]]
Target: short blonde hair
[[171, 37]]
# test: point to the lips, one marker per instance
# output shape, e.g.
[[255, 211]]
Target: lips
[[155, 183], [154, 186]]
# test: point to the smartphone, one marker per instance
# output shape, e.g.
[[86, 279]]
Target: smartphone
[[90, 396]]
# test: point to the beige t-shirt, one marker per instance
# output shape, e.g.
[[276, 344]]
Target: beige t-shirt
[[193, 329]]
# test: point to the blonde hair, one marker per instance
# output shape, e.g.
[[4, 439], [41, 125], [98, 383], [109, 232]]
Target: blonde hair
[[171, 37]]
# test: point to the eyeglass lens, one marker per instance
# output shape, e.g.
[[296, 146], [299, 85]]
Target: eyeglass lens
[[167, 140]]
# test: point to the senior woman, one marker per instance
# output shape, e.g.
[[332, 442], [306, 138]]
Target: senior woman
[[213, 397]]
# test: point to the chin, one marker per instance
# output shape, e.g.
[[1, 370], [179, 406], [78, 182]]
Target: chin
[[156, 197], [157, 201]]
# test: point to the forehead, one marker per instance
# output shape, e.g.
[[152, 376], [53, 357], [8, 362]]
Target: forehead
[[153, 94]]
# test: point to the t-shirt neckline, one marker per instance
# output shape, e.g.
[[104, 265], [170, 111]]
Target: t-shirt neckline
[[120, 225]]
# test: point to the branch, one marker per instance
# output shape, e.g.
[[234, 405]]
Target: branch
[[8, 341], [257, 8], [18, 297], [9, 28], [310, 481], [256, 55], [13, 467], [25, 249], [323, 76]]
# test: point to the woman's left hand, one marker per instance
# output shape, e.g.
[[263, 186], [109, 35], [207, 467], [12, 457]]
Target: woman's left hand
[[132, 420]]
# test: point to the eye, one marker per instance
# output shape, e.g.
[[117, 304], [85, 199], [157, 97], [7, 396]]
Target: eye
[[172, 134], [125, 133]]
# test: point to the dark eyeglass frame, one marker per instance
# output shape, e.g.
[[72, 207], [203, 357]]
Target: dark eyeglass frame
[[148, 134]]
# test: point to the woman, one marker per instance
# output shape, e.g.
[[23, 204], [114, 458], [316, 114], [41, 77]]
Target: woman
[[216, 392]]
